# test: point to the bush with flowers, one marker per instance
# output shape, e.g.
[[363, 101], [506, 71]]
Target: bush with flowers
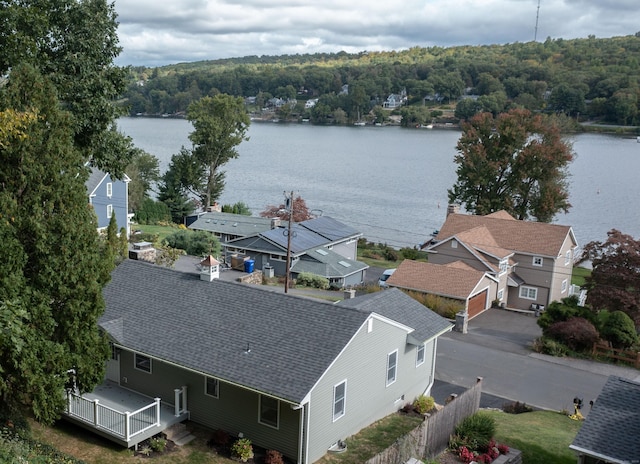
[[242, 449]]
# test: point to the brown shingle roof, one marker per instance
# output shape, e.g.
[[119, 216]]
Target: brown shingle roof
[[538, 238], [456, 280]]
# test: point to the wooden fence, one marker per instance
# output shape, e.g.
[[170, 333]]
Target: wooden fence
[[431, 437], [607, 351]]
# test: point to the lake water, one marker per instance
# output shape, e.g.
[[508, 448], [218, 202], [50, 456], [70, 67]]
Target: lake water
[[390, 182]]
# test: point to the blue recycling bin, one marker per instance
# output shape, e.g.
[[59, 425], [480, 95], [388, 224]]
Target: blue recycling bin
[[249, 265]]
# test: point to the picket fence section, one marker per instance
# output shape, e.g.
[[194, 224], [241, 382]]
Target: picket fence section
[[431, 437]]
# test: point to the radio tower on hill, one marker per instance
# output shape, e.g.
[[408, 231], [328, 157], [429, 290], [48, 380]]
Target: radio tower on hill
[[535, 33]]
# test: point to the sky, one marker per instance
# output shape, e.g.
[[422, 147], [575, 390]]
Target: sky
[[155, 33]]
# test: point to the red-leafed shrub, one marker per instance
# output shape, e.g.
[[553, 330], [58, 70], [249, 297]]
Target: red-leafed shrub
[[504, 449], [465, 455], [577, 333]]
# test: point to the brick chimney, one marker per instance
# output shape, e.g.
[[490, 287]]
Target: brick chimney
[[453, 209]]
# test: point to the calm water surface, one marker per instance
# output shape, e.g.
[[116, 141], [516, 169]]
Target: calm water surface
[[391, 183]]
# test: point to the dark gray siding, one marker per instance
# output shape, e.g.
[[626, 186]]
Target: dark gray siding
[[235, 410]]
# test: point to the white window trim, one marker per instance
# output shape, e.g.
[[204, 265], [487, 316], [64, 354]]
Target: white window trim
[[109, 189], [564, 286], [503, 266], [500, 294], [135, 363], [206, 382], [395, 368], [344, 401], [454, 244], [567, 258], [109, 211], [538, 261], [420, 349], [527, 297], [277, 426]]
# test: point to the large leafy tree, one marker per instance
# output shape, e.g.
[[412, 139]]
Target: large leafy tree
[[614, 283], [144, 172], [220, 124], [73, 43], [300, 210], [53, 265], [516, 162]]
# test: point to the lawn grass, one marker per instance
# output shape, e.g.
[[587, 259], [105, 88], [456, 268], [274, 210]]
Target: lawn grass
[[93, 449], [578, 275], [373, 439], [542, 436], [162, 231]]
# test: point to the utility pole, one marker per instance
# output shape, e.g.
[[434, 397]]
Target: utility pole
[[288, 203], [535, 33]]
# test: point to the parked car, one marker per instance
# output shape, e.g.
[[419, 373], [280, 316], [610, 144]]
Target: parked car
[[385, 275]]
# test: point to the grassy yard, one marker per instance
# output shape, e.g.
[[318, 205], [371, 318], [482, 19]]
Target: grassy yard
[[578, 276], [542, 436], [161, 231]]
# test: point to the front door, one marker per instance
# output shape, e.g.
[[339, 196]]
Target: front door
[[113, 365]]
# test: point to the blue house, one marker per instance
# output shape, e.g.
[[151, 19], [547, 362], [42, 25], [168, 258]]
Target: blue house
[[109, 196]]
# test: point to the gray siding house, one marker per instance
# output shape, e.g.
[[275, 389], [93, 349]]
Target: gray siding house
[[291, 374], [228, 226], [109, 196], [321, 246]]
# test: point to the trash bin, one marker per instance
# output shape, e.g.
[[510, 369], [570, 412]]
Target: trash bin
[[267, 271], [248, 266]]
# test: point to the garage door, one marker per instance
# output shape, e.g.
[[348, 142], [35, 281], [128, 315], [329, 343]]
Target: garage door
[[477, 303]]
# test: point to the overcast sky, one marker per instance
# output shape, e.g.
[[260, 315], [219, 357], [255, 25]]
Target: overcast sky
[[155, 33]]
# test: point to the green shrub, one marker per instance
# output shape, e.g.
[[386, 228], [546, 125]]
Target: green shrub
[[194, 243], [152, 211], [516, 408], [424, 404], [158, 444], [546, 345], [409, 253], [477, 430], [312, 280], [242, 449], [619, 329], [390, 254]]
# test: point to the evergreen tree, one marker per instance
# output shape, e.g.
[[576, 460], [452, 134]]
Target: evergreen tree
[[53, 265]]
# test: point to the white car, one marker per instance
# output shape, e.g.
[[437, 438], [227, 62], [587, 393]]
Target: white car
[[385, 275]]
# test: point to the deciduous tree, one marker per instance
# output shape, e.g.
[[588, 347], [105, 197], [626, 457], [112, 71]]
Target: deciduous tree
[[614, 283], [515, 162], [300, 211], [220, 124]]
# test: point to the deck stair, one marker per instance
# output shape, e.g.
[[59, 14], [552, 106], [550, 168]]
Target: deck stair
[[179, 434]]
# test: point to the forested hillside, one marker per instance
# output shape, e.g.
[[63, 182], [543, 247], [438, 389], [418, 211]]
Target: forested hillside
[[588, 78]]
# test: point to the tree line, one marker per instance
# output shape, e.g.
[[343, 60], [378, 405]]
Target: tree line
[[588, 78]]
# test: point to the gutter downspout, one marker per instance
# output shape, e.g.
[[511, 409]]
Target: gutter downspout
[[306, 451], [433, 367]]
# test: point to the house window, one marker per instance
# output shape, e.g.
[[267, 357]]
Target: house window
[[109, 211], [276, 258], [529, 293], [567, 258], [564, 286], [420, 355], [109, 189], [339, 400], [501, 294], [392, 367], [142, 363], [537, 260], [269, 411], [503, 266], [211, 387], [454, 244]]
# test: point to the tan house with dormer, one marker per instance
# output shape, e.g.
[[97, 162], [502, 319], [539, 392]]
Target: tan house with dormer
[[532, 261]]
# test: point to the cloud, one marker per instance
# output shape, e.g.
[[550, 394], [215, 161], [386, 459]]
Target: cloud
[[155, 33]]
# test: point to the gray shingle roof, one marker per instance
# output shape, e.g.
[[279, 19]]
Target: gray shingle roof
[[96, 176], [611, 431], [231, 224], [327, 263], [206, 326], [398, 306]]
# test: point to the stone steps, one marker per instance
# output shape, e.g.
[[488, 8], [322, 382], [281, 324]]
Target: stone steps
[[179, 434]]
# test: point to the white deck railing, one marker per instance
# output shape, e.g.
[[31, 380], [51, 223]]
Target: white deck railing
[[124, 425]]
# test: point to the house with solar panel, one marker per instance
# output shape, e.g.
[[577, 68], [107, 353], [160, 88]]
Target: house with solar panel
[[322, 246]]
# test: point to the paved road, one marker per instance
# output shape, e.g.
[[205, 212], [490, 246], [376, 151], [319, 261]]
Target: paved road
[[498, 348]]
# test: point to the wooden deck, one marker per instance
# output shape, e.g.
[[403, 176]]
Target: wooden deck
[[121, 415]]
